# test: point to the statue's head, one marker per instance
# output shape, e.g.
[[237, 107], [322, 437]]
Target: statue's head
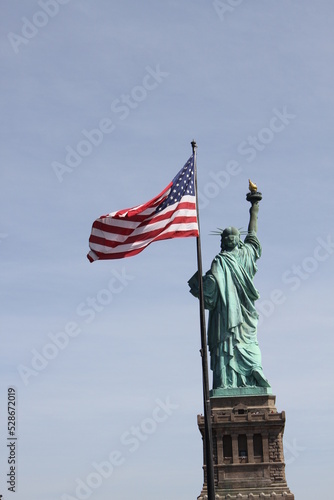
[[230, 238]]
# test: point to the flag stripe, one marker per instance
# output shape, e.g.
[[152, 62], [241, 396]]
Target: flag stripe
[[119, 225], [99, 227], [144, 236], [131, 212], [140, 233], [117, 254], [108, 245]]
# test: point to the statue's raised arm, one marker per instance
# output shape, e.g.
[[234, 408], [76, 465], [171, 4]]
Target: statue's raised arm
[[253, 212], [254, 198]]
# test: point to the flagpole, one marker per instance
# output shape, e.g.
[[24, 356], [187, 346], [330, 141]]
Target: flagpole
[[210, 481]]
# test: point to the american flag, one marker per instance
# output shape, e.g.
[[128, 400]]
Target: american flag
[[171, 214]]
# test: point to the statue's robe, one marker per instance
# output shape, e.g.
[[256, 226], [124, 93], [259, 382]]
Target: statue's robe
[[229, 295]]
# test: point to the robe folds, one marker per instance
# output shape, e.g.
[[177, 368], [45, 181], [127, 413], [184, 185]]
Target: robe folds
[[229, 295]]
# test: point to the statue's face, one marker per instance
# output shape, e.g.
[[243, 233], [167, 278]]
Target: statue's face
[[230, 238]]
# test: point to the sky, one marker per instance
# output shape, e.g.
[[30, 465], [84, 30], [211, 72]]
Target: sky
[[100, 102]]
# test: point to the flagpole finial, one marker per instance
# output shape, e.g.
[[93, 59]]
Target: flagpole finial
[[194, 145]]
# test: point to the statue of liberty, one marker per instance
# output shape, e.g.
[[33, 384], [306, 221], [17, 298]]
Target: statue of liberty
[[229, 295]]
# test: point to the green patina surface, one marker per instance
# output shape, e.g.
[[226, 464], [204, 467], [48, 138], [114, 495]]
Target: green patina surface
[[240, 391], [229, 295]]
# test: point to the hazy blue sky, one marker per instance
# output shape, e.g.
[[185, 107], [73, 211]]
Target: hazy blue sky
[[100, 101]]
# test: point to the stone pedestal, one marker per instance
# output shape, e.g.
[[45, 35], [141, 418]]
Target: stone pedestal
[[248, 453]]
